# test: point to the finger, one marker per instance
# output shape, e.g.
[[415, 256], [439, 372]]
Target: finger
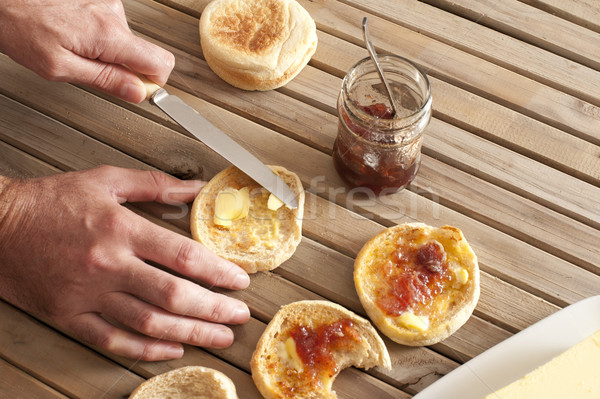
[[110, 78], [180, 296], [129, 185], [155, 322], [145, 58], [97, 331], [186, 256]]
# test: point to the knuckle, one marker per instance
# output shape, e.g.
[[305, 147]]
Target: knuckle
[[106, 77], [115, 4], [114, 220], [53, 69], [187, 257], [106, 170], [107, 341], [200, 335], [161, 181], [172, 295], [159, 177], [150, 353], [145, 322], [216, 310], [96, 259]]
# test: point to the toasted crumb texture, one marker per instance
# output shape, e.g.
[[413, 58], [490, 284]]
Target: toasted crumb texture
[[395, 281], [260, 241], [187, 382], [276, 376], [257, 44]]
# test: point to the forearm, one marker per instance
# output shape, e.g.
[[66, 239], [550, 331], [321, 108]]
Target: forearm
[[4, 205], [11, 205]]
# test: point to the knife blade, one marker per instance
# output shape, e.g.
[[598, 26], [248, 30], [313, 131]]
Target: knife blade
[[224, 145]]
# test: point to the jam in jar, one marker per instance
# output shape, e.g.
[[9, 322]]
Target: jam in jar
[[376, 148]]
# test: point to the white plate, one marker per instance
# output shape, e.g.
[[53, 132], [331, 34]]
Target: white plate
[[519, 354]]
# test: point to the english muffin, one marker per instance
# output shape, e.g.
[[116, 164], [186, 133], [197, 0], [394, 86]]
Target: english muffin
[[307, 344], [257, 44], [242, 222], [187, 382], [417, 283]]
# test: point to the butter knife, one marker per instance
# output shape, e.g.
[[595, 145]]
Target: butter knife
[[220, 142]]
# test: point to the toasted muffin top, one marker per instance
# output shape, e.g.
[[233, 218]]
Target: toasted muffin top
[[250, 27], [417, 283], [187, 382], [307, 344], [261, 239], [257, 44]]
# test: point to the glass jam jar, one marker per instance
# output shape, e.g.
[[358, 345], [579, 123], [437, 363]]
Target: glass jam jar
[[374, 148]]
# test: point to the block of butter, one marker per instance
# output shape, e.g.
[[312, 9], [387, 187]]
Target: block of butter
[[572, 374]]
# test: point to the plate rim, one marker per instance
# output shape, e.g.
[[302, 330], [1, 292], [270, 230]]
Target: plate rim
[[555, 322]]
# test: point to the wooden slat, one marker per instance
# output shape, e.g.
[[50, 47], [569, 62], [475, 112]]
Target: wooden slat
[[16, 384], [17, 164], [532, 25], [332, 180], [583, 12], [80, 373], [31, 130]]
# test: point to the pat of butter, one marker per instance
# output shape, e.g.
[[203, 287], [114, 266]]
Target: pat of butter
[[230, 205], [274, 203], [573, 374], [412, 321], [294, 359], [461, 274]]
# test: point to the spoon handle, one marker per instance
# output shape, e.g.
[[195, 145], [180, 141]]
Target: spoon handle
[[373, 55]]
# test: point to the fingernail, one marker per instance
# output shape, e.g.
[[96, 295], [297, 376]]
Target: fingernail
[[222, 338], [174, 351], [241, 281], [240, 314]]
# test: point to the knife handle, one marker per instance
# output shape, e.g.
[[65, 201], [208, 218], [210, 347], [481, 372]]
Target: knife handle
[[150, 86]]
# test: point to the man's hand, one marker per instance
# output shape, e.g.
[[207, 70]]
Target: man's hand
[[73, 255], [82, 41]]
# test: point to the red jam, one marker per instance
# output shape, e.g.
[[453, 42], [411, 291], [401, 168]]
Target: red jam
[[378, 110], [414, 277], [315, 346], [370, 163]]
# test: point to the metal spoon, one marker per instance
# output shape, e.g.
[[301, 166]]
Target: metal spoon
[[373, 55]]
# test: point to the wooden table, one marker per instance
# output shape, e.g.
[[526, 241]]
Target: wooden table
[[512, 157]]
